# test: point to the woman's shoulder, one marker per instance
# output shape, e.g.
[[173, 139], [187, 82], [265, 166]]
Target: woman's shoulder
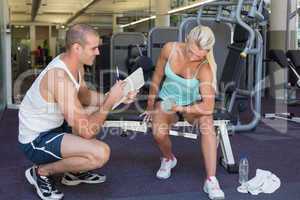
[[168, 46], [172, 46], [204, 71]]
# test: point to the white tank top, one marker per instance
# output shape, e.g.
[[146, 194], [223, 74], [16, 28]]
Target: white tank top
[[36, 115]]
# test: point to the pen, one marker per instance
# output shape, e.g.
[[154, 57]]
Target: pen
[[118, 75]]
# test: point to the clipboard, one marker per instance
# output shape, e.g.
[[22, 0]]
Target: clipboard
[[133, 82]]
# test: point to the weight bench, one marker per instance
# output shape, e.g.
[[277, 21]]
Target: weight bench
[[129, 120]]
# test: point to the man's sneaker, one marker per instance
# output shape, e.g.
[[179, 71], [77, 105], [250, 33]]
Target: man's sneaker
[[212, 188], [44, 186], [56, 194], [166, 165], [84, 177]]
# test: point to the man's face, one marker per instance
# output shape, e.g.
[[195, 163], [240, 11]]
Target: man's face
[[90, 49], [194, 53]]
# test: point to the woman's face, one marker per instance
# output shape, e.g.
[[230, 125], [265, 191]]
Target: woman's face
[[194, 53]]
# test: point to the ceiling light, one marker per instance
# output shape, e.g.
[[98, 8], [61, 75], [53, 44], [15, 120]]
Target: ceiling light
[[194, 5], [138, 21], [183, 8]]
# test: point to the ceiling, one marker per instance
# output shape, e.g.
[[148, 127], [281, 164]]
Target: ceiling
[[60, 11]]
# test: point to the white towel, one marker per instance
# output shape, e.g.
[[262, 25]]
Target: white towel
[[271, 184], [263, 182]]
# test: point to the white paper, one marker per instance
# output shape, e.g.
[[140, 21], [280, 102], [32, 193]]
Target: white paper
[[133, 82]]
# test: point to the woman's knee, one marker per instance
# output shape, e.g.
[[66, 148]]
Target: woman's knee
[[161, 136], [205, 124], [160, 130]]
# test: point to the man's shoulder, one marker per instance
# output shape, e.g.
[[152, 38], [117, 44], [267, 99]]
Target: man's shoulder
[[55, 78], [56, 73]]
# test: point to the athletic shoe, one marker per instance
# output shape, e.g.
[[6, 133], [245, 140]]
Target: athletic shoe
[[84, 177], [166, 165], [212, 188], [44, 185]]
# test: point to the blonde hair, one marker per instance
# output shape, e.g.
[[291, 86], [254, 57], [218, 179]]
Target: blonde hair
[[204, 38]]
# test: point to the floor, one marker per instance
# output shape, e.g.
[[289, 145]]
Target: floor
[[274, 146]]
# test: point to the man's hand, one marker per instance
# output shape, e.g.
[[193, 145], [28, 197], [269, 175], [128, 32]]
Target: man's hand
[[131, 97], [116, 92]]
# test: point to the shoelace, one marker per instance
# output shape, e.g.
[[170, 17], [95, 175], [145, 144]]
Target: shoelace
[[164, 164], [47, 184], [83, 175], [54, 189]]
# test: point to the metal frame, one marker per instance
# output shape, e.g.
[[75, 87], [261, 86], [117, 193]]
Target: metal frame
[[253, 47], [112, 44], [283, 116], [149, 53], [181, 36]]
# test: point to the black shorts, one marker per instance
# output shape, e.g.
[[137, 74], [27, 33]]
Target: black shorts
[[178, 114]]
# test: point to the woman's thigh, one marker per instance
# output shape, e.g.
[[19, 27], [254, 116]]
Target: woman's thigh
[[161, 120]]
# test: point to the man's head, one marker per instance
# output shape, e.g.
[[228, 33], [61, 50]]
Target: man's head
[[83, 40]]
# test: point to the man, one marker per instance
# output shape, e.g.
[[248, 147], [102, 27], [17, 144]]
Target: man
[[60, 94]]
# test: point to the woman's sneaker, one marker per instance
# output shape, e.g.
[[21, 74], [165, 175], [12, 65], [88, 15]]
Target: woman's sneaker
[[166, 165], [212, 188], [84, 177], [44, 185]]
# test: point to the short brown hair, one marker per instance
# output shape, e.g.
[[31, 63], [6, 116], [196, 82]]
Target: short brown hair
[[77, 34]]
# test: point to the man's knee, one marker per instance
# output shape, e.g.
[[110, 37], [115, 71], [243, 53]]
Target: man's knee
[[100, 153], [106, 152]]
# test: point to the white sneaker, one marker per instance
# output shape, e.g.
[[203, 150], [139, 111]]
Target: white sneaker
[[212, 188], [166, 165], [84, 177], [44, 186]]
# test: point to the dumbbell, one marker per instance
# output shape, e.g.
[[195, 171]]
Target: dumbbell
[[167, 104]]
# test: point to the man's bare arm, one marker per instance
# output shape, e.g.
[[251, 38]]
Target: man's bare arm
[[87, 96], [65, 94]]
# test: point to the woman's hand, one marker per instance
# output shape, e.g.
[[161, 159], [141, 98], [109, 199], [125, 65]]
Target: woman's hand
[[176, 108], [148, 113]]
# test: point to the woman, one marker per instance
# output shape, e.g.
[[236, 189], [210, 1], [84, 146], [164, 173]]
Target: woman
[[190, 70]]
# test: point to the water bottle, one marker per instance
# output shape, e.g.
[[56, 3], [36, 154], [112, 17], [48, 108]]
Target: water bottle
[[243, 170]]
